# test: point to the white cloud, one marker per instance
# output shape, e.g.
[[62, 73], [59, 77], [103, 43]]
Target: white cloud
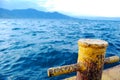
[[108, 8]]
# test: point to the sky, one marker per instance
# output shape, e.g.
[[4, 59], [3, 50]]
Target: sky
[[101, 8]]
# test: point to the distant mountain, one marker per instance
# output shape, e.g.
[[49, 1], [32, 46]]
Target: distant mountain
[[30, 13], [33, 13]]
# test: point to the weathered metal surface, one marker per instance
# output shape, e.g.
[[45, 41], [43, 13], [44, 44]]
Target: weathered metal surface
[[108, 74], [76, 67], [112, 59], [62, 70], [91, 55]]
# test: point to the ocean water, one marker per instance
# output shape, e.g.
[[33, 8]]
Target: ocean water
[[28, 47]]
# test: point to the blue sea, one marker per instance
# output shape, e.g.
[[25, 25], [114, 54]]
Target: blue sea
[[28, 47]]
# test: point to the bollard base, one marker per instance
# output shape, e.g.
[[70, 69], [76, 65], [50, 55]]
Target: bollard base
[[108, 74]]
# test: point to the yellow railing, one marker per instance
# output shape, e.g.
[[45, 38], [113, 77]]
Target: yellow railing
[[91, 59]]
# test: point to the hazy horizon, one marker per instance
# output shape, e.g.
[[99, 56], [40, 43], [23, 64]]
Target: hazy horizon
[[77, 17], [74, 8]]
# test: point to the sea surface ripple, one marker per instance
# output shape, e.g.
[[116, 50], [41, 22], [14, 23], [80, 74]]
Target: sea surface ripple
[[28, 47]]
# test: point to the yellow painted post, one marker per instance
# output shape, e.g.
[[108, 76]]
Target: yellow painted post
[[91, 56]]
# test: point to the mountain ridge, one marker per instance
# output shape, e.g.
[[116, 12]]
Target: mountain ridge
[[31, 13], [36, 14]]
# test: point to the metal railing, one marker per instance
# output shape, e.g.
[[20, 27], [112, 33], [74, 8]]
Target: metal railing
[[91, 59]]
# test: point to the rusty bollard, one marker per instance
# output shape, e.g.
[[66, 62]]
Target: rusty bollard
[[91, 56]]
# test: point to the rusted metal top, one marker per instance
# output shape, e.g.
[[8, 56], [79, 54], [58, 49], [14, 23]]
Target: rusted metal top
[[95, 43]]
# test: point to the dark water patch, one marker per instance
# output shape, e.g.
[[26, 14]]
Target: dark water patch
[[88, 35], [4, 49], [6, 61], [3, 77], [34, 33], [118, 44], [16, 47], [16, 28], [118, 48], [69, 37], [28, 45], [22, 59], [17, 65], [62, 34], [110, 54], [45, 37], [6, 66], [42, 25], [101, 24], [62, 41], [55, 42], [14, 35], [39, 31], [2, 41], [104, 29]]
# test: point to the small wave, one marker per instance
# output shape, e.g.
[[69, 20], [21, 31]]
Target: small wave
[[4, 49], [28, 45], [88, 35], [14, 23], [16, 28], [2, 41], [21, 46], [38, 32]]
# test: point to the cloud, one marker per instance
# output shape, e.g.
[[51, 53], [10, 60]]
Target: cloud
[[108, 8]]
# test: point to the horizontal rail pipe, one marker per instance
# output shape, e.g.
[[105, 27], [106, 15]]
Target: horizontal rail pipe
[[55, 71]]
